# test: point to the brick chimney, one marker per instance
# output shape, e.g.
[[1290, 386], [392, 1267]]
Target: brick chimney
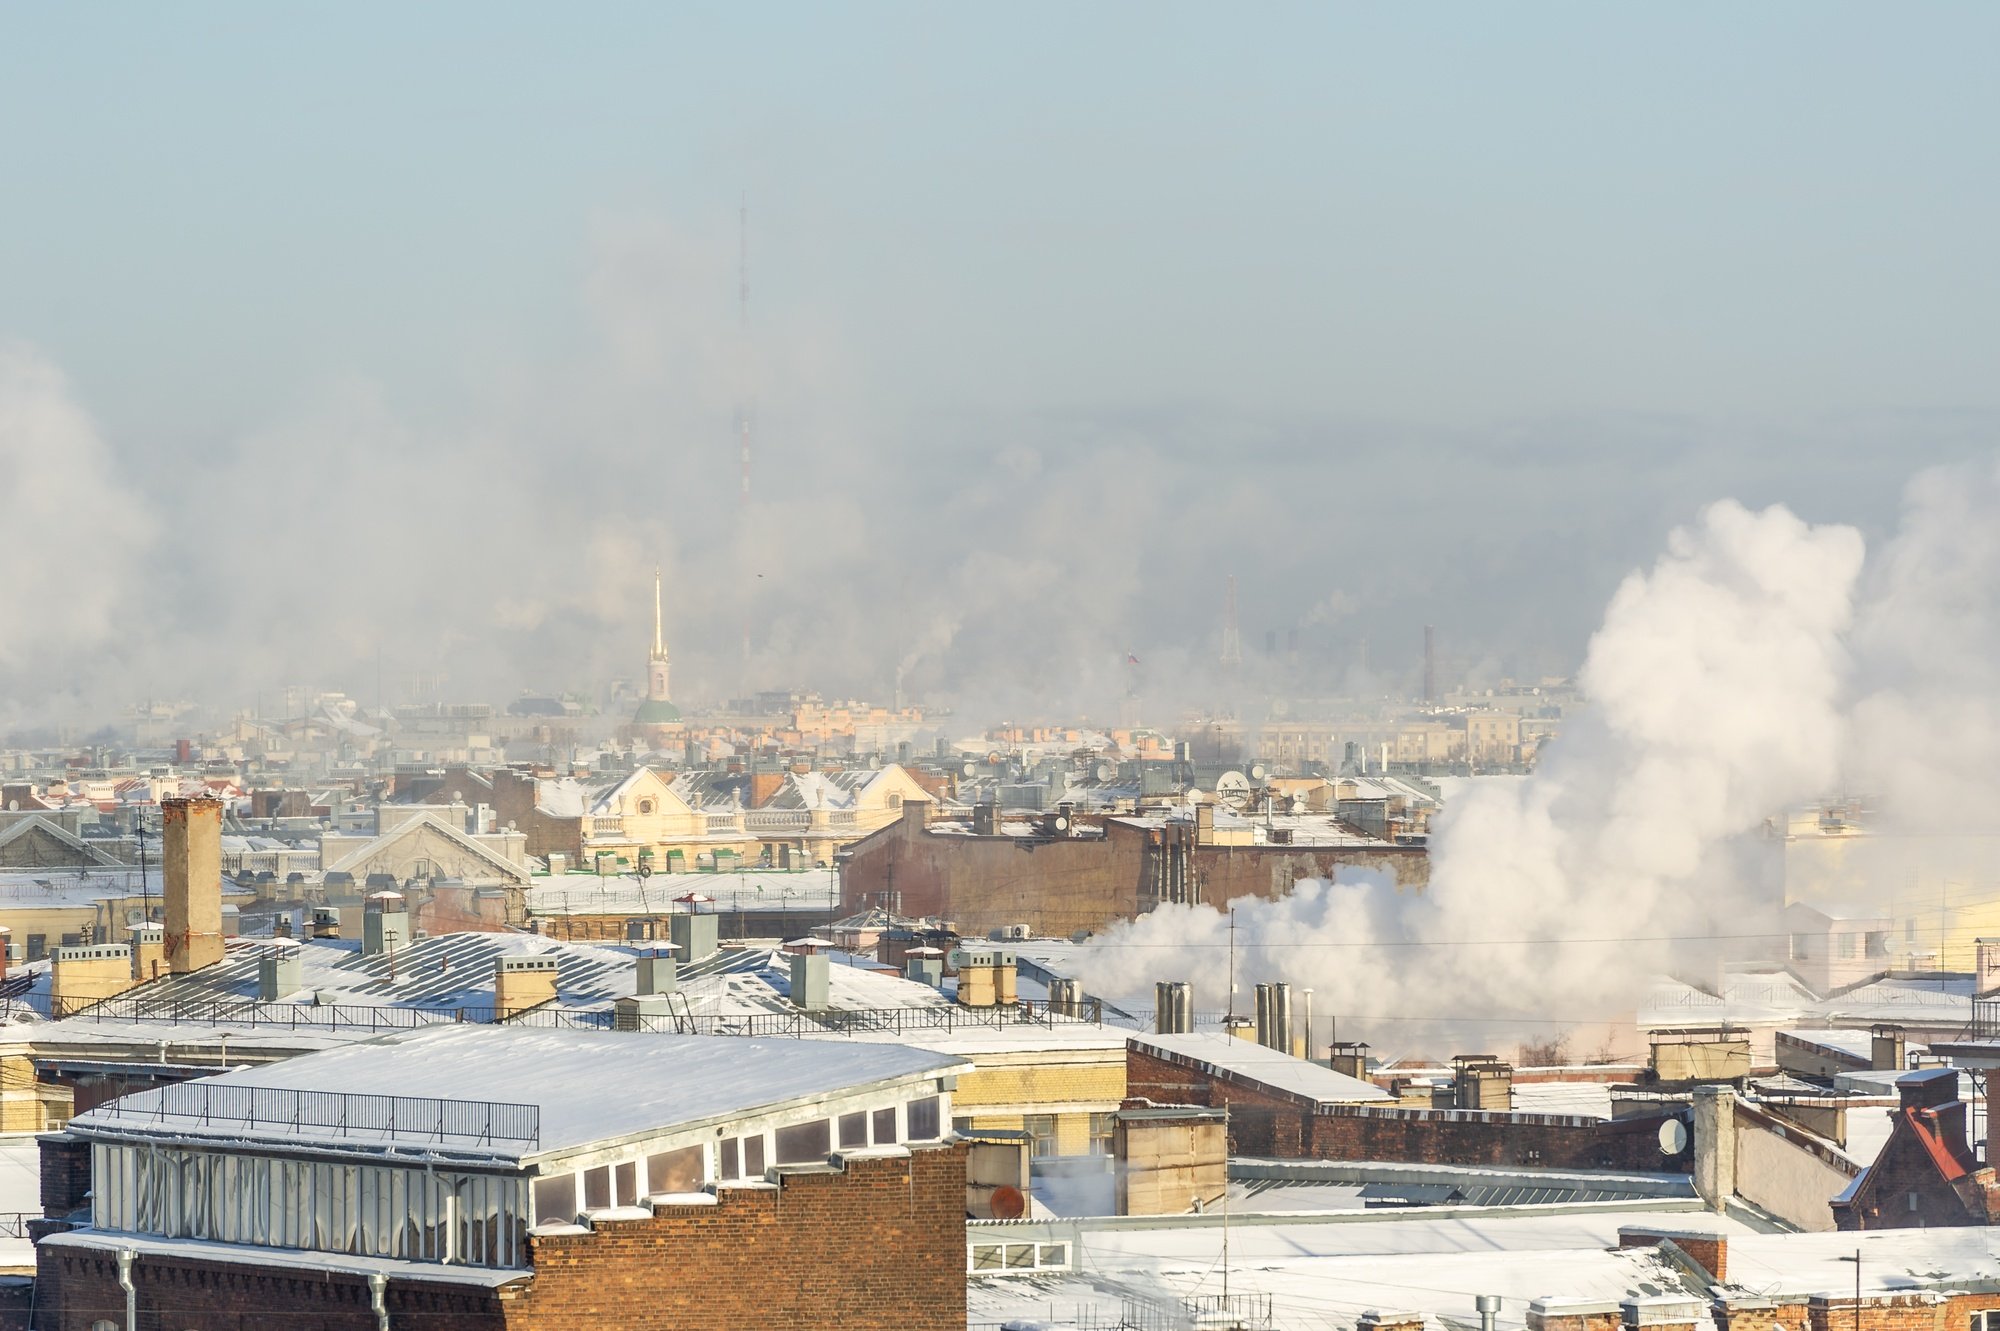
[[191, 855], [81, 976], [520, 983], [1887, 1049], [1482, 1081], [1985, 966], [149, 951]]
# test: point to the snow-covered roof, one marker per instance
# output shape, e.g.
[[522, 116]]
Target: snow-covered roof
[[1763, 997], [1328, 1270], [1254, 1062], [589, 1086], [1910, 999], [628, 894], [68, 887], [561, 797]]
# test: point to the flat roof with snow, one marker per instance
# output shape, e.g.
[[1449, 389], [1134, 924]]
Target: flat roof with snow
[[587, 1087], [1253, 1062]]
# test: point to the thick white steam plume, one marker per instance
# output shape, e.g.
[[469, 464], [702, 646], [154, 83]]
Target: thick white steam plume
[[1716, 685]]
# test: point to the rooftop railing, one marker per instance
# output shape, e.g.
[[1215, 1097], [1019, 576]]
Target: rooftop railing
[[343, 1113], [787, 1022], [1986, 1018]]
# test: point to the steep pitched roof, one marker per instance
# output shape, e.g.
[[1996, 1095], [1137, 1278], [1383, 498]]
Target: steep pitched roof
[[23, 829], [502, 867]]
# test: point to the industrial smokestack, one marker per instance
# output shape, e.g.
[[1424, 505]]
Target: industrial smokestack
[[191, 851]]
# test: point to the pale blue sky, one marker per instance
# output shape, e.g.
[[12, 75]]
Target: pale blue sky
[[1508, 266]]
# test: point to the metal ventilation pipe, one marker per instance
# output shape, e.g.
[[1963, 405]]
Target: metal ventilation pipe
[[1281, 1018], [1173, 1007], [125, 1256], [378, 1285], [1489, 1308], [1262, 1015]]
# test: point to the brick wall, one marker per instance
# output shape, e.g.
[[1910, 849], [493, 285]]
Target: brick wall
[[1060, 886], [1269, 1123], [77, 1286], [880, 1245], [65, 1175]]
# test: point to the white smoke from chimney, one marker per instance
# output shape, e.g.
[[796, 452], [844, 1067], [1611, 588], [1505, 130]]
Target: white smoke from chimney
[[1926, 733], [77, 533], [1715, 686]]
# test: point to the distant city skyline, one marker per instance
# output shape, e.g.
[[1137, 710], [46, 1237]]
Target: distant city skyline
[[414, 335]]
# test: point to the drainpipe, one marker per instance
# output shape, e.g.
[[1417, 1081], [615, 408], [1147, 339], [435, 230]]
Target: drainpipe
[[378, 1285], [131, 1290], [1489, 1307]]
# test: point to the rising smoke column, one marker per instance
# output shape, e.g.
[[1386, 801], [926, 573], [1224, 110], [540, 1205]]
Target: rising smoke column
[[78, 537], [1926, 723], [1715, 686]]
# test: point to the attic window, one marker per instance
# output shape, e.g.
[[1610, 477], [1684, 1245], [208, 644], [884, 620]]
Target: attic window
[[645, 806]]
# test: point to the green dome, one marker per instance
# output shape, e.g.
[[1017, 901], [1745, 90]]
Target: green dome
[[655, 713]]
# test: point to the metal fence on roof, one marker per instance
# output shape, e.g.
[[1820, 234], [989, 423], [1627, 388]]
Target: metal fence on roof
[[777, 1022], [220, 1104]]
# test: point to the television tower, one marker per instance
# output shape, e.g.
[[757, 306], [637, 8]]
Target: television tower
[[1232, 634], [745, 412]]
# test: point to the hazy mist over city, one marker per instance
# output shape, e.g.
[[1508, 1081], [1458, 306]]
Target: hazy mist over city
[[336, 354], [1127, 667]]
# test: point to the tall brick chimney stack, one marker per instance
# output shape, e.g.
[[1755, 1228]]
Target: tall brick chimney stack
[[191, 854]]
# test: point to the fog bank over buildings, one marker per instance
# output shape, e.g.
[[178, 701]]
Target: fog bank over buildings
[[1004, 563]]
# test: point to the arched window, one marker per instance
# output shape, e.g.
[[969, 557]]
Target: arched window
[[645, 806]]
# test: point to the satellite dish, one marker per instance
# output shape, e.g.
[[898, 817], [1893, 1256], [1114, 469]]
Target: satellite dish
[[1008, 1204], [1060, 823], [1673, 1137], [969, 768], [1104, 772], [1232, 783], [1257, 772]]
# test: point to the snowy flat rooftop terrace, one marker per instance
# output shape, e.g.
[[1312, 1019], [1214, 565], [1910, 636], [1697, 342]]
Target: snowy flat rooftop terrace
[[587, 1086]]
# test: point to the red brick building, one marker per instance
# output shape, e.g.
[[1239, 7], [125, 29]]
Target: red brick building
[[1013, 871], [1927, 1175], [1278, 1117]]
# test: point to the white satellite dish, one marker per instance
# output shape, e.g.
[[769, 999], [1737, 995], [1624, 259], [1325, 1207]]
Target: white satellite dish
[[1673, 1137], [1234, 783]]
